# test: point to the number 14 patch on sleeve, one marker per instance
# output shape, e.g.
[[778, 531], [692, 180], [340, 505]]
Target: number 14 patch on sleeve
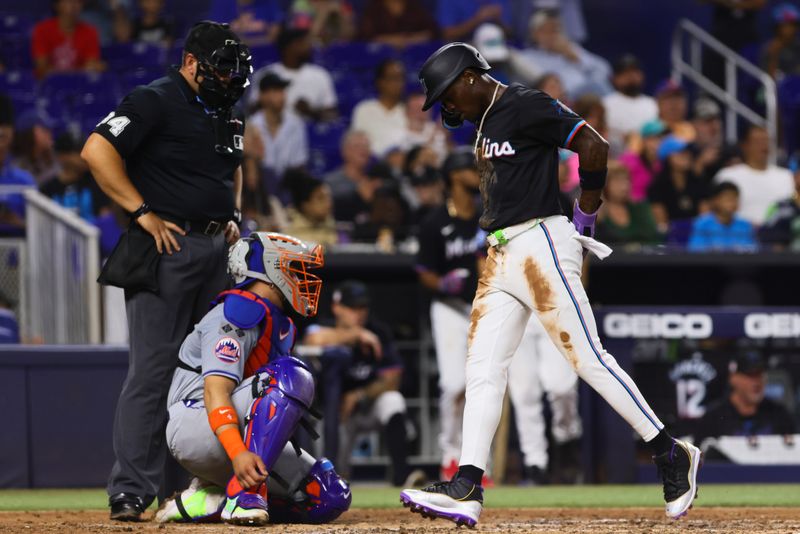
[[228, 350]]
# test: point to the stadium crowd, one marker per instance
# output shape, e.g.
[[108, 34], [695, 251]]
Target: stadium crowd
[[338, 149]]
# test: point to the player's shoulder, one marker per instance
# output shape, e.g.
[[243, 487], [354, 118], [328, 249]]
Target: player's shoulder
[[435, 219], [245, 310], [518, 91]]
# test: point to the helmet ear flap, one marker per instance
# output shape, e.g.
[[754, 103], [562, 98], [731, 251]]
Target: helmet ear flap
[[237, 260]]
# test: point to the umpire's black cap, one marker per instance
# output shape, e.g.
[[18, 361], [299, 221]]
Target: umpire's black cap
[[444, 66], [207, 36], [352, 293]]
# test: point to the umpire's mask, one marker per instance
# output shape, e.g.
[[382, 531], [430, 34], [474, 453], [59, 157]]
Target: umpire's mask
[[223, 62]]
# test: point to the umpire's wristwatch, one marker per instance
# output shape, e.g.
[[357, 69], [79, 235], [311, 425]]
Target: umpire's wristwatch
[[144, 208]]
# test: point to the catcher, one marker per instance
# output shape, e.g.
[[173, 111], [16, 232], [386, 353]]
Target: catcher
[[238, 396]]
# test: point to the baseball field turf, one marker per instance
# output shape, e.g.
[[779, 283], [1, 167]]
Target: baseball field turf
[[745, 508]]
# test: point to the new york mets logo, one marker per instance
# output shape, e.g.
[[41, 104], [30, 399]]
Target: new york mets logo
[[228, 350]]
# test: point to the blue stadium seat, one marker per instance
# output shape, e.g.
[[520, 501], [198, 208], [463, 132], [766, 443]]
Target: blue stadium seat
[[20, 87], [134, 55], [789, 105], [16, 24], [414, 56], [324, 141], [679, 232], [263, 56], [354, 56]]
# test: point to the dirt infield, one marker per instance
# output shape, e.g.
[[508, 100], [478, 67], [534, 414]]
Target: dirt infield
[[546, 520]]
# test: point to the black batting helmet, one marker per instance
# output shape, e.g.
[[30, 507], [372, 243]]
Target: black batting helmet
[[444, 66]]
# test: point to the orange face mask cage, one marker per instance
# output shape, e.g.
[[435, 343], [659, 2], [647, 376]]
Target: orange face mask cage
[[306, 287]]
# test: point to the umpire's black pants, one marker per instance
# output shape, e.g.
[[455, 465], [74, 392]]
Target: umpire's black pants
[[157, 325]]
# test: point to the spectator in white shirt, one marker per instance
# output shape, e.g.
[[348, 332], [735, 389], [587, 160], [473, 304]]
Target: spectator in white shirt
[[310, 92], [580, 71], [276, 133], [759, 183], [627, 108], [384, 119]]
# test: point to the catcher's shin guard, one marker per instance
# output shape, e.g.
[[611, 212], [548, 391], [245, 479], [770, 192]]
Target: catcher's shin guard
[[285, 390]]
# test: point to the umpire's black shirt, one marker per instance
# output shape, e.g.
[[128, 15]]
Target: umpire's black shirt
[[167, 139], [518, 156]]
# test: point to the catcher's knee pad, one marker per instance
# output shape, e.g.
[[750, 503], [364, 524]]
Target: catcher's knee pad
[[322, 497], [284, 390]]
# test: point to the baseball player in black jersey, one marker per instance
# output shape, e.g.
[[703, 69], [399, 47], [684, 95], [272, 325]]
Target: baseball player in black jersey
[[451, 255], [533, 266]]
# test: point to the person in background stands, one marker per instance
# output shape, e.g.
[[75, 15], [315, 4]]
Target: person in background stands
[[676, 193], [673, 109], [355, 162], [580, 70], [760, 183], [311, 213], [74, 187], [310, 92], [628, 109], [398, 23], [152, 26], [328, 21], [33, 145], [257, 22], [643, 163], [720, 229], [64, 43], [457, 19], [622, 220], [384, 119], [12, 206], [275, 132], [781, 229]]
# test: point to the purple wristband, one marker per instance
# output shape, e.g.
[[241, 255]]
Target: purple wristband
[[584, 222]]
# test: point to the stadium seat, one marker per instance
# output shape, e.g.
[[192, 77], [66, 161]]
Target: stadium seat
[[679, 232], [20, 86], [263, 56], [354, 56], [789, 105], [121, 57], [324, 141]]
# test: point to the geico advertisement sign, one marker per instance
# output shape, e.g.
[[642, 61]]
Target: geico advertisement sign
[[654, 325], [761, 325]]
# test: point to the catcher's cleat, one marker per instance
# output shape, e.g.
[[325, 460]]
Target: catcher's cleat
[[201, 502], [246, 509], [458, 500], [678, 471], [126, 507]]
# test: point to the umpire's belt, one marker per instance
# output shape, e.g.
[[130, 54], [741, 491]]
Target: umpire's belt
[[504, 235], [209, 227]]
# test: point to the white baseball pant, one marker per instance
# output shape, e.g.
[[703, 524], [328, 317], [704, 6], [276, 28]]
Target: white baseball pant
[[538, 368], [537, 271]]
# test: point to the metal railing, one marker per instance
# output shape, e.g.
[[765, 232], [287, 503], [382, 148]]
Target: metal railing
[[63, 263], [687, 32]]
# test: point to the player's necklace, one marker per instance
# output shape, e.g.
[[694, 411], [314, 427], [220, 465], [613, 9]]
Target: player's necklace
[[480, 126]]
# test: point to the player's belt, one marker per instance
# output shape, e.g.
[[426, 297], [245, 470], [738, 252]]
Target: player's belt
[[504, 235]]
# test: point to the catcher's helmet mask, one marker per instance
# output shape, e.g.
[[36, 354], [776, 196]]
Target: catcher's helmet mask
[[224, 64], [442, 69], [283, 262]]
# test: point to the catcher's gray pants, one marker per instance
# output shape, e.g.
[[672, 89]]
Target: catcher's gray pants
[[198, 450], [157, 324]]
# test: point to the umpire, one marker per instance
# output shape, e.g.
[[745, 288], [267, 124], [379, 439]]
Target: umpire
[[171, 156]]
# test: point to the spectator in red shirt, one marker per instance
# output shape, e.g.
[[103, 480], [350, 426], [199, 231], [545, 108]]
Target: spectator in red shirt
[[398, 23], [64, 43]]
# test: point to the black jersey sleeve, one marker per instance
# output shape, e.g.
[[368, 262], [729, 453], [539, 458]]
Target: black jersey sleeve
[[430, 256], [138, 114], [546, 119]]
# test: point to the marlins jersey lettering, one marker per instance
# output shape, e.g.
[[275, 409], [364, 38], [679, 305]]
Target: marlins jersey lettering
[[217, 346], [517, 156]]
